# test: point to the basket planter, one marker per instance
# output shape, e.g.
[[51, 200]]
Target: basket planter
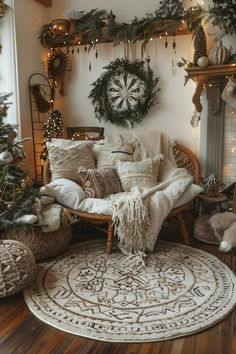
[[17, 267], [44, 245]]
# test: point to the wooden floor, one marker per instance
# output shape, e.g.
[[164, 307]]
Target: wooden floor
[[22, 332]]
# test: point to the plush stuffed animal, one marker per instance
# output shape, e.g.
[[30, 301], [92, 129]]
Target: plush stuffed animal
[[224, 226]]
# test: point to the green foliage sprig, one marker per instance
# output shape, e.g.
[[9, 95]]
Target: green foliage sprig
[[131, 116], [223, 15]]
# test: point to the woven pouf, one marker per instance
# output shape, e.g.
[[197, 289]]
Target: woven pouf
[[17, 267], [203, 230], [44, 245]]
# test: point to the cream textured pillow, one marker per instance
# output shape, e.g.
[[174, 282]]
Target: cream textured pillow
[[66, 192], [141, 174], [107, 154], [67, 142], [99, 183], [65, 160]]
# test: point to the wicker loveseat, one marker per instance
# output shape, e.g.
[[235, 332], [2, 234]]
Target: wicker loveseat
[[183, 157]]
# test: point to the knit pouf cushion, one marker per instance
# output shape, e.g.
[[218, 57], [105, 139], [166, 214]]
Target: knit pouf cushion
[[17, 267]]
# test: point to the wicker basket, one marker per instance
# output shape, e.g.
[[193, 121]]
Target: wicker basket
[[44, 245], [17, 267]]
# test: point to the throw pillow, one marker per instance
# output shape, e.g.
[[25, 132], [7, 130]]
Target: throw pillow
[[66, 192], [67, 142], [142, 174], [107, 154], [65, 160], [99, 183]]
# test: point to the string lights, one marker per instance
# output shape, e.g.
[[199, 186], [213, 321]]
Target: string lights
[[53, 128]]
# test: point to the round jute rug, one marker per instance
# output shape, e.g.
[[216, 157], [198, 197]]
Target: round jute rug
[[110, 297]]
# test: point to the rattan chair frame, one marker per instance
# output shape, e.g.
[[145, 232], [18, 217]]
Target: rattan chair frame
[[184, 158]]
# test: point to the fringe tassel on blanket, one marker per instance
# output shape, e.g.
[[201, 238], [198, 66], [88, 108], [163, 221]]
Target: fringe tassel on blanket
[[130, 221]]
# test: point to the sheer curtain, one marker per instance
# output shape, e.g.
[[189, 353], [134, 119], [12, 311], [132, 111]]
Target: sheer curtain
[[8, 64]]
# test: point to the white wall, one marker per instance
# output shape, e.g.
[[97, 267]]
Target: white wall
[[174, 112], [29, 19]]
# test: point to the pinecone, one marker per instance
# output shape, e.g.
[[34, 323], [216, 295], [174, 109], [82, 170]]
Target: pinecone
[[200, 46]]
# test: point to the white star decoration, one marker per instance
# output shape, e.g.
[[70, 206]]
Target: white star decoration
[[125, 91]]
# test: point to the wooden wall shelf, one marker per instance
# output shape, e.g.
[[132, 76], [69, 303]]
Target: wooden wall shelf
[[47, 3], [161, 28], [198, 74]]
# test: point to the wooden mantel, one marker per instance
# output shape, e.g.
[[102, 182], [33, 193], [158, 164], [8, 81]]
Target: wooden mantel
[[208, 76], [47, 3], [213, 78]]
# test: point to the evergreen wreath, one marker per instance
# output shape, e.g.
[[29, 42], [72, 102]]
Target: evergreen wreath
[[124, 93]]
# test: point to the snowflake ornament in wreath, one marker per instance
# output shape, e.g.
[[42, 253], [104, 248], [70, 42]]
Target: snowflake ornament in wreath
[[124, 93]]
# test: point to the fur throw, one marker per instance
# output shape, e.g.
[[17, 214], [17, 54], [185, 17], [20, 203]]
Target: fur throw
[[224, 226]]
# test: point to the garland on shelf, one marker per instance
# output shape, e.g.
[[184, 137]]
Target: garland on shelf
[[223, 14], [124, 93], [96, 25]]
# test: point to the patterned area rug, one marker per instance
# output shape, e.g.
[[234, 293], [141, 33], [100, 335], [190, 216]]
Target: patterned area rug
[[88, 292]]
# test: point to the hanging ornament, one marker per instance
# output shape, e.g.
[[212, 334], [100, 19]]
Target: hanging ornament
[[73, 50], [124, 92], [166, 43], [26, 183], [85, 49], [195, 119], [173, 67], [96, 54], [11, 136], [6, 157], [174, 45], [77, 50], [90, 66]]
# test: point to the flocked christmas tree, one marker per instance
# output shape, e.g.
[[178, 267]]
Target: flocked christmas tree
[[53, 128], [17, 195]]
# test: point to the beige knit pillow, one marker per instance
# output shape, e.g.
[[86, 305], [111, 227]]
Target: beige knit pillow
[[107, 154], [65, 160], [141, 174], [99, 183]]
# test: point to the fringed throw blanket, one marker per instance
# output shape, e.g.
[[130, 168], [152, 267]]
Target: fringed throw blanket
[[138, 215]]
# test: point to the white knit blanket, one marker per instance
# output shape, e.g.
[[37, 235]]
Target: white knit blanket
[[138, 215]]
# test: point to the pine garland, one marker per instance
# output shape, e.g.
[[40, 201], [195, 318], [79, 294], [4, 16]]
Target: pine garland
[[100, 100], [93, 25]]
